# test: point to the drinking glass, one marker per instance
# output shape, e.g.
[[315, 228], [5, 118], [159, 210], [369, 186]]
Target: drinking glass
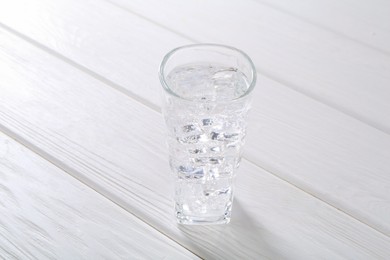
[[206, 99]]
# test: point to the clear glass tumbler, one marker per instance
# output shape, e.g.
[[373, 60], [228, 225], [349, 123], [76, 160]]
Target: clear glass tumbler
[[206, 100]]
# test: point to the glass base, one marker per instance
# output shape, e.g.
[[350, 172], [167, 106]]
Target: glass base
[[190, 220], [208, 216], [203, 202]]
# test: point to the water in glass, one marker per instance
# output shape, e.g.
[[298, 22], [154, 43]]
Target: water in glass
[[205, 138]]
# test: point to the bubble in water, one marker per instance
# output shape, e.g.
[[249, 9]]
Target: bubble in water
[[191, 172], [197, 150], [207, 122], [189, 128]]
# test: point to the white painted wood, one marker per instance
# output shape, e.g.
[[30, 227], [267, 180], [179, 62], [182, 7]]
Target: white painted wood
[[347, 166], [116, 146], [325, 66], [114, 45], [326, 153], [47, 214], [365, 22]]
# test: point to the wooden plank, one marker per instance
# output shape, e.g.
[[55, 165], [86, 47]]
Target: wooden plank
[[320, 64], [326, 153], [366, 23], [129, 60], [325, 66], [105, 33], [46, 214], [116, 146]]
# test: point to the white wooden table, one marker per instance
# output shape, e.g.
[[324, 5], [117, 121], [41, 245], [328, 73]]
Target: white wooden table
[[83, 165]]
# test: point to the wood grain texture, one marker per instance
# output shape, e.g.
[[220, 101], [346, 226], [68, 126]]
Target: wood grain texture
[[363, 22], [325, 66], [47, 214], [328, 154], [116, 146], [106, 43], [320, 64], [346, 165]]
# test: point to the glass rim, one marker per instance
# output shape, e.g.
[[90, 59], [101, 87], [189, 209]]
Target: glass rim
[[167, 56]]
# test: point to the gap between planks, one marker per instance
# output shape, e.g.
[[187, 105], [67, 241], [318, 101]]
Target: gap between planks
[[84, 69], [57, 163], [157, 109], [289, 85], [325, 28], [314, 196], [140, 99], [84, 167]]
